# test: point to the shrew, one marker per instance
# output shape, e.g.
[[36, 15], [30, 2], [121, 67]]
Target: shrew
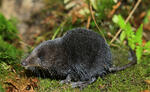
[[81, 56]]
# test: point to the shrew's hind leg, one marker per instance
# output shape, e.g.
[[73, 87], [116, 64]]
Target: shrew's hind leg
[[83, 84]]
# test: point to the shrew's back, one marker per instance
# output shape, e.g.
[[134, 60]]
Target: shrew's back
[[88, 54]]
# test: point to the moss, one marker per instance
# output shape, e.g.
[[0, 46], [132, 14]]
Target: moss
[[9, 54], [1, 89], [8, 30], [128, 80]]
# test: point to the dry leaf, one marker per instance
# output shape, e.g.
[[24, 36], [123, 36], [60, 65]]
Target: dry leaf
[[23, 84], [147, 81], [78, 9], [146, 91], [146, 27], [115, 7]]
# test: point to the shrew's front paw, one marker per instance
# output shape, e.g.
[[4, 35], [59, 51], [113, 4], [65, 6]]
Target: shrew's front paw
[[66, 81]]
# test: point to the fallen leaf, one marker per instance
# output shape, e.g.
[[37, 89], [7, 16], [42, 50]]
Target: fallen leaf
[[115, 7], [146, 91], [21, 84], [147, 81], [146, 27], [78, 9]]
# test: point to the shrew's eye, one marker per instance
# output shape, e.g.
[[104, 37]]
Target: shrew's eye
[[41, 58]]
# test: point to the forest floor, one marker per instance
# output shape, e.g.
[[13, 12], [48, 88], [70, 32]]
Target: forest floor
[[134, 79]]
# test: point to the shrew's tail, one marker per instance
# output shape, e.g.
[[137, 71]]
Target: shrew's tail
[[133, 62]]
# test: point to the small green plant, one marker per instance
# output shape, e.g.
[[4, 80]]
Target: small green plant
[[134, 37], [9, 54], [7, 51], [102, 7], [1, 89], [146, 19], [8, 30]]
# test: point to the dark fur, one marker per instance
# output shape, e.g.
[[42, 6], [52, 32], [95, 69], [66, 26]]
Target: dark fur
[[80, 55]]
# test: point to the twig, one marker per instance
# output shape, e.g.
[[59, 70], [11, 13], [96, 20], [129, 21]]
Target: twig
[[88, 22], [110, 35], [131, 13], [25, 44], [95, 22], [115, 7], [114, 45]]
